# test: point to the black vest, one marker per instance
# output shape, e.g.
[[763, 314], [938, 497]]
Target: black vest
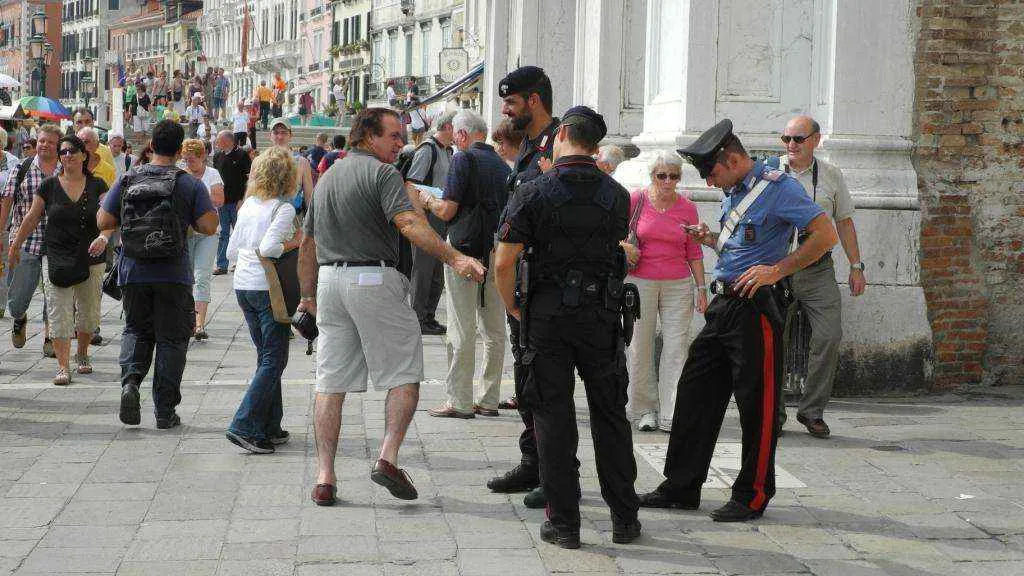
[[577, 250]]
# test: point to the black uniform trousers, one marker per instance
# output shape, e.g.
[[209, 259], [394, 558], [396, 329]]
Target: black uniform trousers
[[586, 340], [739, 352], [528, 437]]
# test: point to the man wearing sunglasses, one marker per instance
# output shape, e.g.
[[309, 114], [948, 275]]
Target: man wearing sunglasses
[[815, 286], [739, 350]]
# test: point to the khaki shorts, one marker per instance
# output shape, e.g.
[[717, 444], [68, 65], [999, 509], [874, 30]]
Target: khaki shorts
[[61, 303], [367, 330]]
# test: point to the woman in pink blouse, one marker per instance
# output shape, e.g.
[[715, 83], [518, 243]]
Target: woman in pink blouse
[[665, 264]]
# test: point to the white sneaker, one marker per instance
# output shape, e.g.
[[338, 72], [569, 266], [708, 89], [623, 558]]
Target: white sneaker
[[648, 422]]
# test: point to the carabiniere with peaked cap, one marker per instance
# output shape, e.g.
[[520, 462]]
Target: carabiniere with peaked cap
[[703, 152]]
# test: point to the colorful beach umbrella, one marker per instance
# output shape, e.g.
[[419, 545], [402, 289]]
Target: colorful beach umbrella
[[44, 108]]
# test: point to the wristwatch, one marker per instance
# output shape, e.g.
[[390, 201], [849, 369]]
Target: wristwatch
[[857, 266]]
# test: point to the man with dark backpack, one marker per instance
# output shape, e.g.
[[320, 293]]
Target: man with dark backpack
[[474, 196], [154, 204], [429, 166]]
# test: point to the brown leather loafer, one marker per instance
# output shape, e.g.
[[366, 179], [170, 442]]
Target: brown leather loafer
[[325, 494], [817, 427], [394, 479], [449, 412], [481, 411]]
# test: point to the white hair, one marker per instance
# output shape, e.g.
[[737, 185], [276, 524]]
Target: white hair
[[444, 120], [612, 154], [3, 139], [469, 121], [667, 158], [88, 133]]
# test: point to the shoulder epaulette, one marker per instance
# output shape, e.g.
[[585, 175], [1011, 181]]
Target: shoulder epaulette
[[773, 175]]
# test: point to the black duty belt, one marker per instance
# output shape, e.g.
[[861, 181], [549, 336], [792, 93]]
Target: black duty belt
[[365, 263], [720, 288]]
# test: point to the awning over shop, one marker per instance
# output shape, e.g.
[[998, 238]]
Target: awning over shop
[[455, 87]]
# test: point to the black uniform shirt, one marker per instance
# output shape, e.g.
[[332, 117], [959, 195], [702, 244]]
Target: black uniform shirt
[[527, 166]]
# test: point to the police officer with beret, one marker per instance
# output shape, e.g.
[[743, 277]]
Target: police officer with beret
[[570, 221], [739, 351], [526, 95]]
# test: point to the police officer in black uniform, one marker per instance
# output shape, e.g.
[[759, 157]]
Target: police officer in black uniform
[[526, 93], [739, 350], [570, 221]]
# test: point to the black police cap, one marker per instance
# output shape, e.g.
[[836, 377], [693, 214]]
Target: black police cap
[[703, 152], [522, 80], [586, 113]]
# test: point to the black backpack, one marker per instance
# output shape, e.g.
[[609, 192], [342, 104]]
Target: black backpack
[[152, 227], [405, 157], [472, 231]]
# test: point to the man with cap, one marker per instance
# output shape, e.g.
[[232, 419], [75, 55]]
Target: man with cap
[[526, 96], [739, 350], [569, 221]]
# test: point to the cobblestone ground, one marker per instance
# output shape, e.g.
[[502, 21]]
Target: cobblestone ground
[[911, 487]]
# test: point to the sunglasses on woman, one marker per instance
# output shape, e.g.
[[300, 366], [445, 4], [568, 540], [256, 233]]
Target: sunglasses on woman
[[797, 139], [67, 151], [667, 176]]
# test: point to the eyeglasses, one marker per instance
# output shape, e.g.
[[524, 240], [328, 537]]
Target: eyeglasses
[[67, 152], [26, 146], [797, 139], [667, 176]]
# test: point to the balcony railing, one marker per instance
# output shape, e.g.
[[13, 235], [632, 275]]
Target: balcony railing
[[314, 66]]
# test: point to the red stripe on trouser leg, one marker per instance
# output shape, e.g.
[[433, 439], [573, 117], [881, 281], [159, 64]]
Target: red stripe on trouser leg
[[768, 409]]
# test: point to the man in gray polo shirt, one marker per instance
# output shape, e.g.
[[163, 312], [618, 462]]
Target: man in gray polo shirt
[[367, 330]]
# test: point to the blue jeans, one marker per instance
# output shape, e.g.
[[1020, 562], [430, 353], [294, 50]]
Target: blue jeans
[[22, 281], [228, 216], [202, 249], [259, 415]]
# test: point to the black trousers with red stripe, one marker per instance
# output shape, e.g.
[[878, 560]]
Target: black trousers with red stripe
[[739, 352]]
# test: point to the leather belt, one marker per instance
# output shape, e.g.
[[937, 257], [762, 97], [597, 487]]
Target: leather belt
[[720, 288], [364, 263]]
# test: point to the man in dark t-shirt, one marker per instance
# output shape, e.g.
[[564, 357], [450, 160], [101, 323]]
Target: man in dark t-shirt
[[157, 295]]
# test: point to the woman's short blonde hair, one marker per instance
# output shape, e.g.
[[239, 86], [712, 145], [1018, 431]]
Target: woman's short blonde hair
[[666, 158], [193, 146], [273, 174]]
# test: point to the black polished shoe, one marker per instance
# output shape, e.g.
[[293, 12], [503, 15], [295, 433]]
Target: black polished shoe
[[661, 499], [733, 511], [519, 479], [168, 422], [626, 533], [536, 498], [130, 412], [564, 538], [433, 328]]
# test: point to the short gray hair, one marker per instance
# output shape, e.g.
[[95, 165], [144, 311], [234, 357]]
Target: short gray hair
[[88, 133], [444, 120], [612, 154], [469, 121], [668, 158]]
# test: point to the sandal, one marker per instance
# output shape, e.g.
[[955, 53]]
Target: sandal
[[62, 378], [84, 364]]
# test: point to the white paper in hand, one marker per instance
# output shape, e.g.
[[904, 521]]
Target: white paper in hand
[[432, 190]]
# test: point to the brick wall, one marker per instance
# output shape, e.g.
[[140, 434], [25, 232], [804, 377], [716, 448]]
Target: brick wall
[[969, 103]]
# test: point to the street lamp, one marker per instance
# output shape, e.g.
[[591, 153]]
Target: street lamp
[[88, 86], [39, 50]]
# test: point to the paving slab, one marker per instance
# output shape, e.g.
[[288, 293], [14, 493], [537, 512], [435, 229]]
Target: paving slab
[[934, 491]]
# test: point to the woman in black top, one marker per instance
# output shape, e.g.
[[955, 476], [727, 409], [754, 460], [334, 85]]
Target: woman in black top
[[75, 251]]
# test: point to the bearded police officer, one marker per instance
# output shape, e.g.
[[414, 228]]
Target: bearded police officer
[[739, 351], [570, 221], [526, 96]]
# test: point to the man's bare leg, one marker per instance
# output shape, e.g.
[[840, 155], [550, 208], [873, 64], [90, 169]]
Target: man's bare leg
[[326, 427], [399, 408]]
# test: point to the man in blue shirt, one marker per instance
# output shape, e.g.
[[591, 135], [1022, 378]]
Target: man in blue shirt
[[739, 351], [157, 294]]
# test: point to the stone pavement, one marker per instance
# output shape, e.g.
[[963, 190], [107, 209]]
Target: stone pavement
[[924, 486]]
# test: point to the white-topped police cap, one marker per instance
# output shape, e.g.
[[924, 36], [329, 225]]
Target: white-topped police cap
[[521, 80], [703, 152]]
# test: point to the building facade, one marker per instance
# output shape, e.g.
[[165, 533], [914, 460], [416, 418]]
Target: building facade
[[314, 70], [15, 58], [220, 26], [407, 38], [662, 71], [350, 48]]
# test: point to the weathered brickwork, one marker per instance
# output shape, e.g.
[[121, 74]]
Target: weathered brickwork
[[969, 105]]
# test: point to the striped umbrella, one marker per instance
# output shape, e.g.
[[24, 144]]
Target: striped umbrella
[[44, 108]]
